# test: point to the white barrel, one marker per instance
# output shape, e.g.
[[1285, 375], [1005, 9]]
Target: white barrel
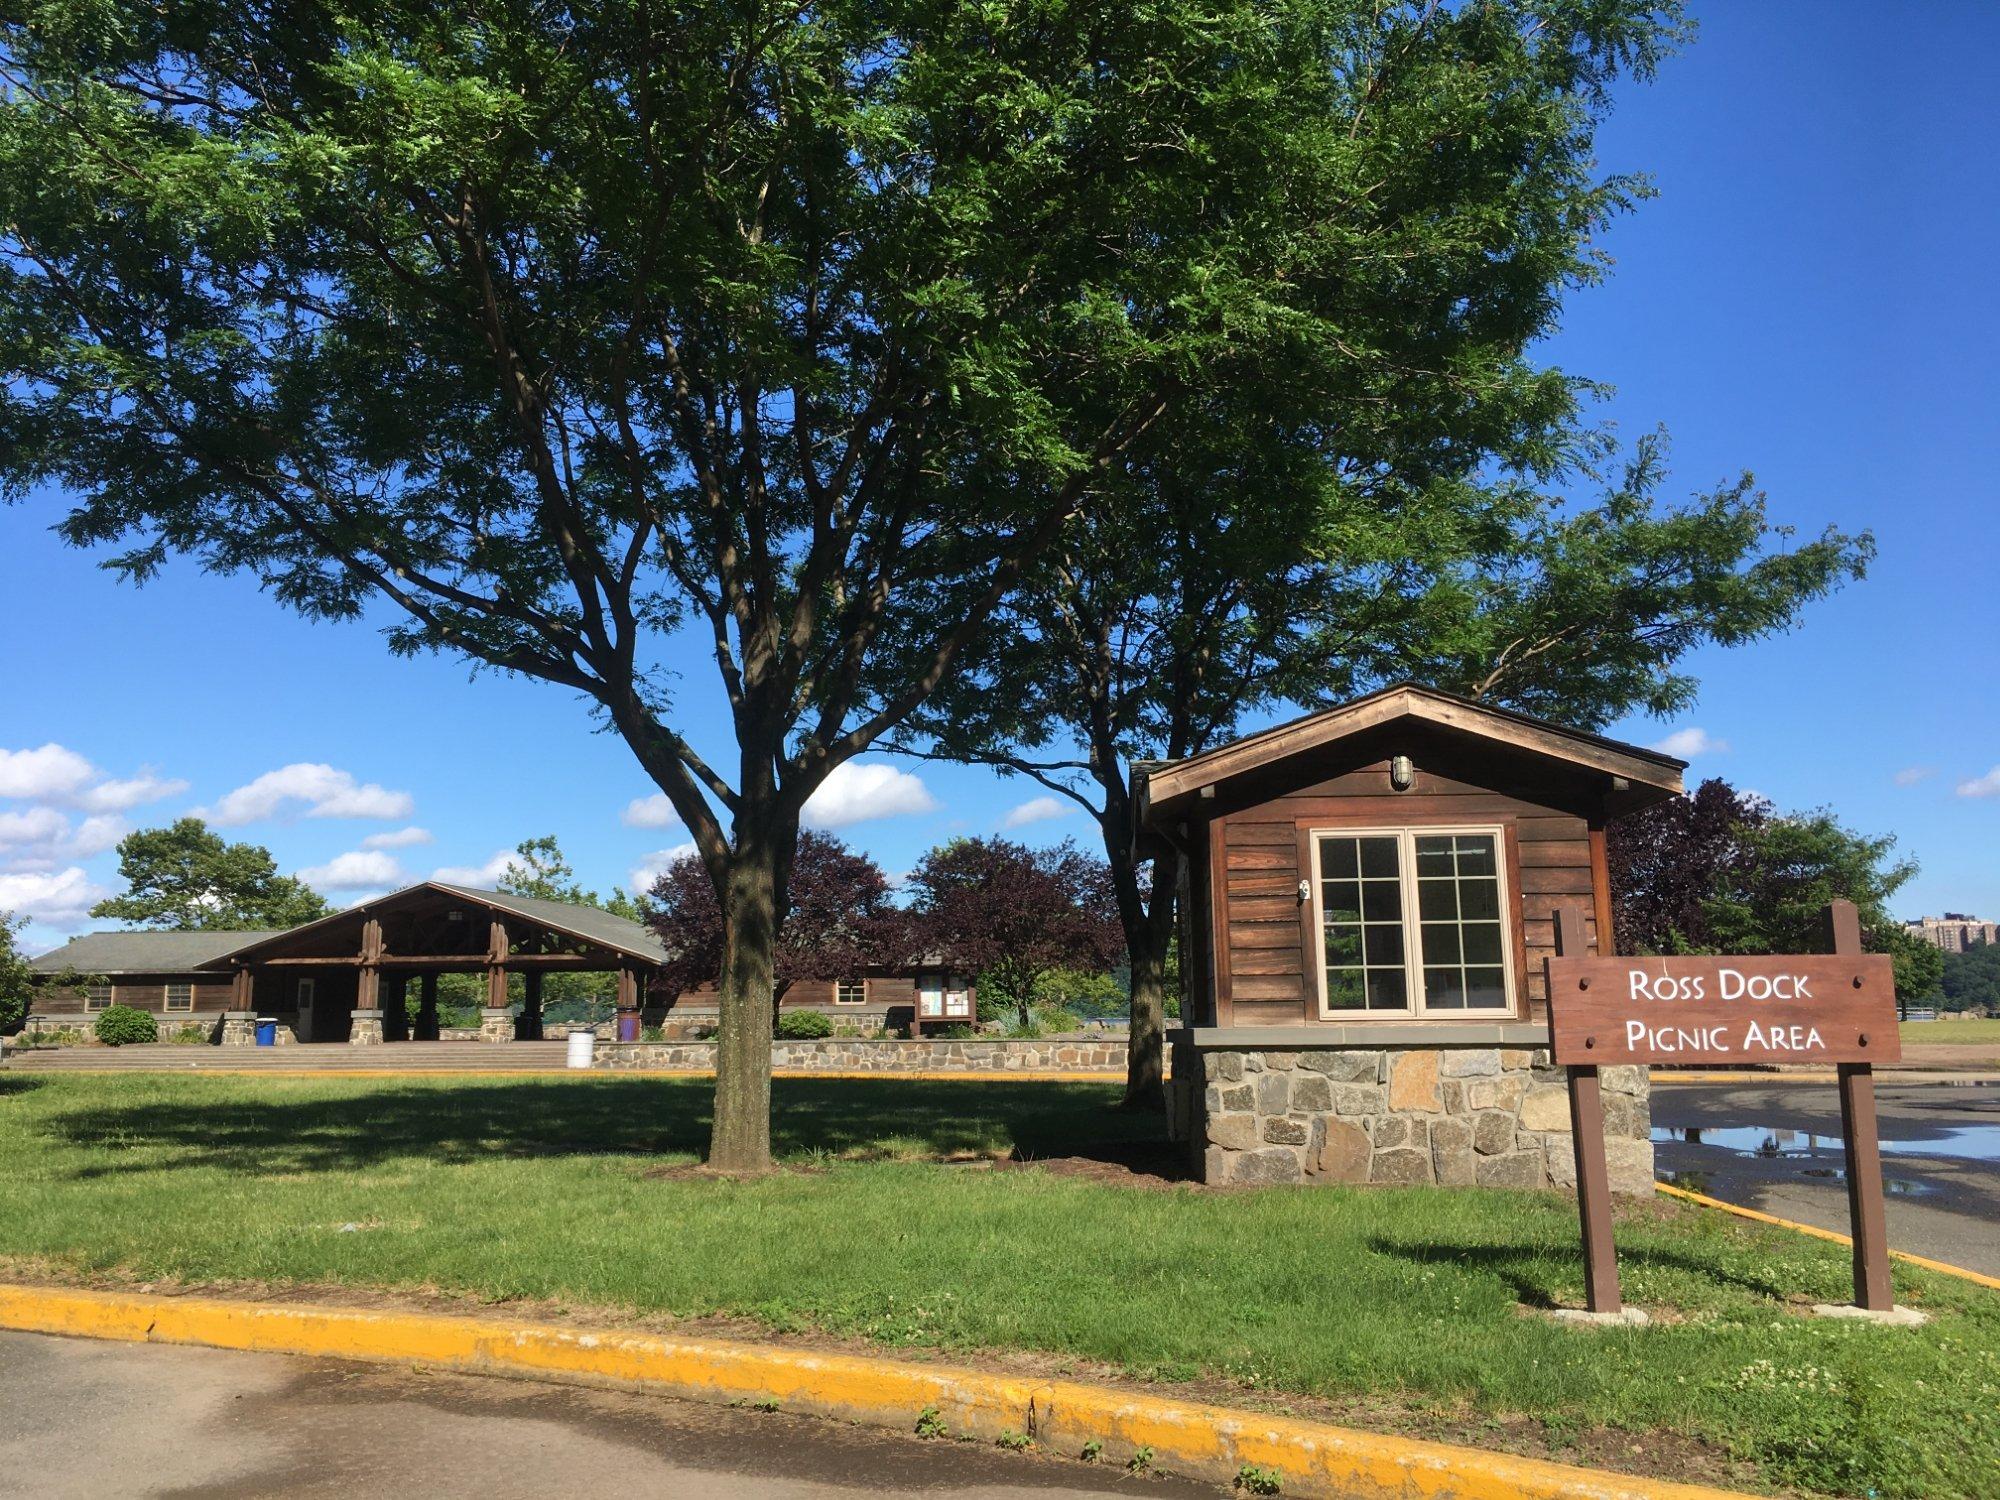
[[582, 1044]]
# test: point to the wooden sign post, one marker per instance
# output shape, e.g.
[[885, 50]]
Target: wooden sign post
[[1838, 1007]]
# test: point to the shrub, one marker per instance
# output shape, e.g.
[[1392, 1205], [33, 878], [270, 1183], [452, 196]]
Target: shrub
[[958, 1031], [122, 1024], [189, 1034], [804, 1026], [1056, 1020]]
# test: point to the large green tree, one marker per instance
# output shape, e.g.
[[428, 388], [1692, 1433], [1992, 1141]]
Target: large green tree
[[1329, 569], [1723, 871], [184, 877], [799, 335], [16, 978]]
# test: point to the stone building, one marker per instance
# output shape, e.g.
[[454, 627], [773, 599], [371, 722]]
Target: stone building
[[1372, 891]]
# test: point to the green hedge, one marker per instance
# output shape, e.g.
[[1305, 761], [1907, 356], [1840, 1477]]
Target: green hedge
[[122, 1024], [804, 1026]]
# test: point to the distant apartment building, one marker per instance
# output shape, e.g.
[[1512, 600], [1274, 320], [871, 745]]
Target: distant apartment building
[[1955, 932]]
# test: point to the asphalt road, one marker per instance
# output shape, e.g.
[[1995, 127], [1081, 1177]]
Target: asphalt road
[[1777, 1147], [88, 1419]]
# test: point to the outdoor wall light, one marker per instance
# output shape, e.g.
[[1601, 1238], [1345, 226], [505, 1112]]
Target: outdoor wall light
[[1401, 773]]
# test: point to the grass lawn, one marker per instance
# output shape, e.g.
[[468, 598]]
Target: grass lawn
[[1953, 1029], [1395, 1306]]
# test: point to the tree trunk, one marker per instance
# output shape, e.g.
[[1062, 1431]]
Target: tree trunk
[[1146, 948], [741, 1138]]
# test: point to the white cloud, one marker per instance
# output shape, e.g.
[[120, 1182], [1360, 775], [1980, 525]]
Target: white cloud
[[48, 774], [1038, 810], [56, 774], [649, 812], [401, 838], [34, 825], [652, 866], [60, 898], [39, 837], [116, 796], [320, 790], [355, 870], [1911, 775], [477, 875], [861, 791], [1982, 786], [1686, 744]]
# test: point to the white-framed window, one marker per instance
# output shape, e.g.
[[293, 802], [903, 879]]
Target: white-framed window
[[1412, 922], [850, 992], [97, 997], [180, 997]]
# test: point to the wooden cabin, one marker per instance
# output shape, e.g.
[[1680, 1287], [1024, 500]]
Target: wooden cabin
[[1381, 880]]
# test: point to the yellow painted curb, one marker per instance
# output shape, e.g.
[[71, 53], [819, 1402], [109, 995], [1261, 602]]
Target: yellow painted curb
[[1943, 1268], [1212, 1441]]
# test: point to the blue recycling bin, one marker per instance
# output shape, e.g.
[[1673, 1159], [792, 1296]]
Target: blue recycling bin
[[267, 1032]]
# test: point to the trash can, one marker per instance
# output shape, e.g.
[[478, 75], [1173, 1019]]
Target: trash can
[[582, 1045], [267, 1031]]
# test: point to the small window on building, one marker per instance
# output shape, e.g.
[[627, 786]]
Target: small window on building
[[97, 997], [851, 992], [180, 997], [1412, 922]]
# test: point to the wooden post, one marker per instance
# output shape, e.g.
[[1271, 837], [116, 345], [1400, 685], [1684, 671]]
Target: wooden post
[[1593, 1178], [496, 965], [241, 991], [1867, 1218], [368, 990]]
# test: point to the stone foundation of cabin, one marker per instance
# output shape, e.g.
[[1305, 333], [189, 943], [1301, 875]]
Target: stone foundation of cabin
[[1456, 1116]]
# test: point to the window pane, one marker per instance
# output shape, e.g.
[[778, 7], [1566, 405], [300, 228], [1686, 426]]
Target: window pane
[[1475, 854], [1486, 989], [1479, 897], [1434, 856], [1386, 990], [1341, 900], [1343, 989], [1437, 900], [1444, 989], [1343, 947], [1482, 942], [1441, 943], [1384, 945], [1382, 900], [1337, 859], [1378, 858]]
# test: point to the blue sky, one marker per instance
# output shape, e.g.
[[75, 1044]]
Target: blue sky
[[1810, 297]]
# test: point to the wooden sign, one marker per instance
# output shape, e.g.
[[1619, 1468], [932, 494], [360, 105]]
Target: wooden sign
[[1813, 1008], [1837, 1007]]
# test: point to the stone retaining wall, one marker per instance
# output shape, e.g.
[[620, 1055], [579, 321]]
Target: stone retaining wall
[[1458, 1117], [866, 1055]]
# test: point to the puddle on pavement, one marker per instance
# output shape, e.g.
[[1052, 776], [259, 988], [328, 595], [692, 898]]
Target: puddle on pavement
[[1958, 1142]]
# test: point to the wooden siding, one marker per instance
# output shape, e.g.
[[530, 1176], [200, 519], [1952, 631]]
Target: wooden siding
[[1260, 973], [145, 992]]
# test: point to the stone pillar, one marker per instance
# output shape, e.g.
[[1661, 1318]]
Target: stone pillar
[[529, 1028], [427, 1008], [365, 1030], [396, 1008], [496, 1024]]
